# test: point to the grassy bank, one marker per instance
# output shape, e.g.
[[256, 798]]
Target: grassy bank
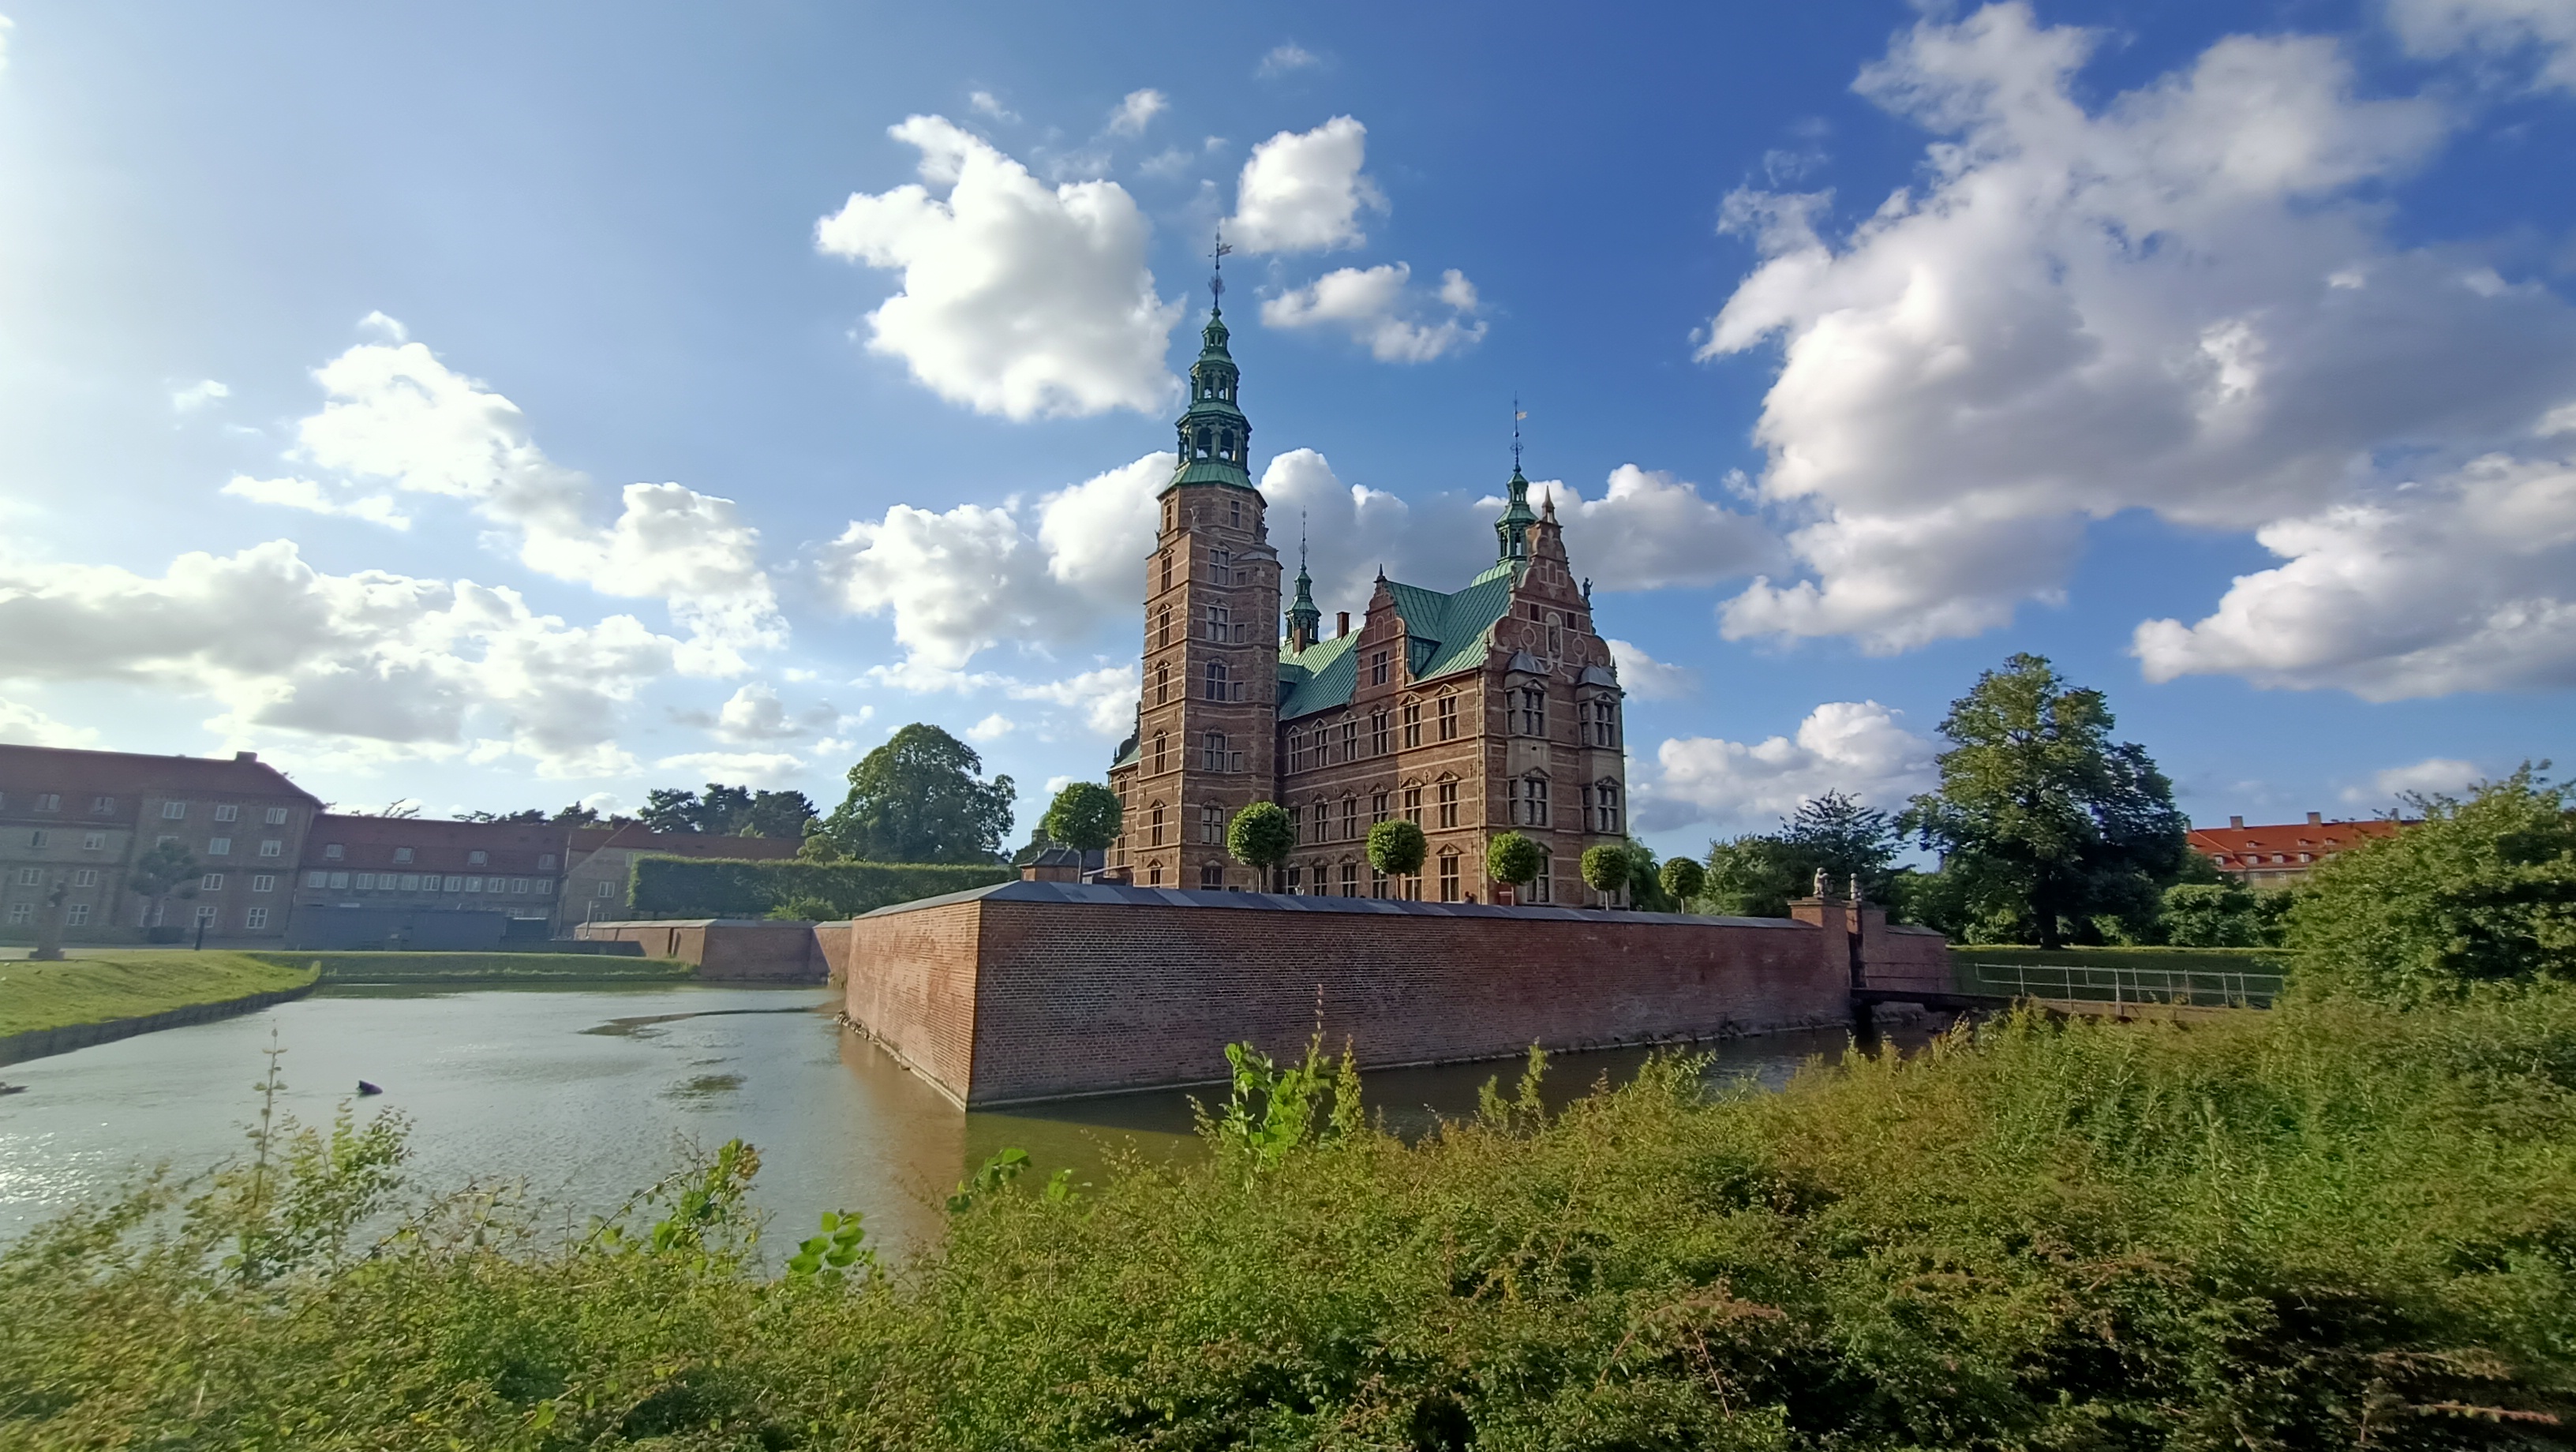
[[481, 967], [2331, 1225], [35, 996]]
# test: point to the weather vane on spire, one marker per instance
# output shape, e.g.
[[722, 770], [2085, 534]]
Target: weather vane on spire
[[1301, 544], [1517, 416], [1216, 279]]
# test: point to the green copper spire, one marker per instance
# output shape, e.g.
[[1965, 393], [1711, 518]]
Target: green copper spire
[[1215, 437], [1511, 531], [1304, 620]]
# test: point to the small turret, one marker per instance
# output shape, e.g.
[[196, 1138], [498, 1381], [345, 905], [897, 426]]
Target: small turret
[[1304, 620]]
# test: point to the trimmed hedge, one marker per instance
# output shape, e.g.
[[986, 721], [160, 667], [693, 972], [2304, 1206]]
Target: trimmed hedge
[[698, 887], [480, 967]]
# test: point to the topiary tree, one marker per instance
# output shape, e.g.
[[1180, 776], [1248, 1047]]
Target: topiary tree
[[1084, 816], [1397, 847], [1682, 879], [1261, 836], [1515, 859], [1605, 868]]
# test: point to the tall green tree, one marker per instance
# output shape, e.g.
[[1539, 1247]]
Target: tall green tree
[[1084, 816], [917, 799], [728, 811], [2041, 812], [2483, 890], [1834, 833], [1757, 876]]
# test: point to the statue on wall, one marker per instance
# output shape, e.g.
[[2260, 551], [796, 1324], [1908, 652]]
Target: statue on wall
[[1824, 885]]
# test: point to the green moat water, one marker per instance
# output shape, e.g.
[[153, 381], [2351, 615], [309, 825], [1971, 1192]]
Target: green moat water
[[588, 1094]]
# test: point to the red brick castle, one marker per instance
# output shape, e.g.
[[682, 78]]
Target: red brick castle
[[1491, 709]]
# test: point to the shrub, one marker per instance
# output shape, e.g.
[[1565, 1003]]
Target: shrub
[[2483, 891], [1261, 836], [1682, 880], [699, 887], [1513, 858], [1605, 867], [1397, 847]]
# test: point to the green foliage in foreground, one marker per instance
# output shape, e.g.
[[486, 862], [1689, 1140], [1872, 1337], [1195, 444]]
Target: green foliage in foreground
[[94, 990], [2484, 890], [697, 887], [2334, 1225], [477, 967], [2157, 960]]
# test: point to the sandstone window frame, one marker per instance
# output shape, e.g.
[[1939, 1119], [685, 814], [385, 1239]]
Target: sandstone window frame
[[1449, 874], [1377, 668], [1531, 709], [1161, 741], [1350, 878], [1165, 620], [1413, 802], [1350, 817], [1162, 684], [1154, 815], [1445, 713], [1350, 739], [1538, 889], [1378, 807], [1529, 800], [1412, 717], [1211, 825], [1381, 733], [1211, 877], [1217, 686], [1444, 795]]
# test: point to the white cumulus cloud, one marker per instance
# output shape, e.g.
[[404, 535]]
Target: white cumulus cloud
[[197, 395], [2181, 299], [2445, 775], [312, 498], [1377, 307], [962, 580], [1652, 531], [992, 728], [1018, 298], [2467, 584], [1287, 56], [1138, 110], [366, 667], [1859, 747], [1645, 678], [2492, 30], [24, 725], [1302, 191]]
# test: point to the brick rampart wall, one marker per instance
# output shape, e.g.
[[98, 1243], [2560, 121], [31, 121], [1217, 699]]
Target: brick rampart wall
[[1012, 994]]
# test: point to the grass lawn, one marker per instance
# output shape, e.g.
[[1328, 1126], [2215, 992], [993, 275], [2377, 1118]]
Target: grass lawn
[[481, 967], [129, 985]]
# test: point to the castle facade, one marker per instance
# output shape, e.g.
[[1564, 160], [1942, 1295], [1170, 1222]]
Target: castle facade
[[1494, 708]]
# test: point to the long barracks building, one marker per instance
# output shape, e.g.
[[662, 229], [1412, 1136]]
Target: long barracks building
[[1490, 709]]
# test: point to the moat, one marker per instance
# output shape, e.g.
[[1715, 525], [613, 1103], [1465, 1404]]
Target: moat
[[589, 1094]]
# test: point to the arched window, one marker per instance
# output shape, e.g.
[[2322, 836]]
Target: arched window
[[1160, 741], [1165, 620], [1225, 445], [1200, 445], [1154, 833], [1216, 683], [1162, 684], [1167, 570], [1154, 874]]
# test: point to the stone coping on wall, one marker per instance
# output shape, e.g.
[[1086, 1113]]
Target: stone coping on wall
[[1103, 894]]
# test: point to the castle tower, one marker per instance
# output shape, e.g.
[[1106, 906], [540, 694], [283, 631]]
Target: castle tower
[[1207, 736], [1304, 620], [1512, 530]]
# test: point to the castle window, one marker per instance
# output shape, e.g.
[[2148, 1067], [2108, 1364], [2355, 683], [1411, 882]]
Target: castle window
[[1238, 505], [1350, 879], [1323, 820], [1216, 624], [1377, 808], [1296, 752], [1350, 818], [1153, 874], [1162, 684], [1536, 890], [1211, 825], [1534, 711], [1292, 880], [1211, 877], [1377, 672], [1529, 803], [1212, 751], [1156, 840], [1412, 724], [1166, 622], [1216, 682], [1449, 876], [1350, 740], [1225, 450], [1377, 733], [1448, 800], [1160, 741], [1605, 808], [1167, 557], [1201, 451], [1377, 881], [1413, 805], [1449, 718]]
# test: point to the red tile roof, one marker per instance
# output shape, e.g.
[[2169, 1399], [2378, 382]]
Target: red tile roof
[[80, 776], [2238, 846]]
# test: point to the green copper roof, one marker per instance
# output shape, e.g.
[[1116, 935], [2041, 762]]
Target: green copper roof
[[1444, 634], [1213, 422], [1511, 531]]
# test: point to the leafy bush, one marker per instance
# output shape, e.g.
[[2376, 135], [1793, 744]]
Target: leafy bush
[[1605, 867], [1682, 880], [1513, 858], [2483, 891], [1397, 847], [2335, 1225], [1261, 836], [699, 887], [2221, 915]]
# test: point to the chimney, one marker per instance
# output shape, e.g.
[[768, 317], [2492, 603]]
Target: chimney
[[1341, 623], [2315, 819], [245, 756], [2236, 824]]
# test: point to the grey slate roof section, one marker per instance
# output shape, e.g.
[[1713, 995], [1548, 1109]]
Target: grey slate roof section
[[1101, 894], [1594, 675]]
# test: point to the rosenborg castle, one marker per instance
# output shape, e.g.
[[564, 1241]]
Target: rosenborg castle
[[1494, 708]]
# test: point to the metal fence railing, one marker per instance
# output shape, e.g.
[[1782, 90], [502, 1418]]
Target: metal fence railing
[[2202, 987]]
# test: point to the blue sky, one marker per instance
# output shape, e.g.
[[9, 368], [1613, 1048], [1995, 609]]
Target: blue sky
[[495, 406]]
